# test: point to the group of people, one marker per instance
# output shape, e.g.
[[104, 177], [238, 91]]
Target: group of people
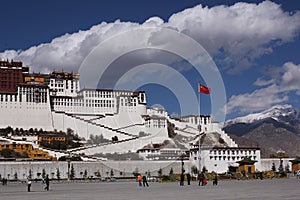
[[46, 181], [4, 181], [188, 179], [142, 179], [201, 178]]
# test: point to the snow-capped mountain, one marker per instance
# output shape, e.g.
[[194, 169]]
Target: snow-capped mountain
[[280, 113], [273, 129]]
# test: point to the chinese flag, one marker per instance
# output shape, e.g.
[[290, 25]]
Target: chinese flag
[[204, 89]]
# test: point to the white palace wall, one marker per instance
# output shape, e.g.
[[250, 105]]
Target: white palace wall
[[8, 169], [26, 115]]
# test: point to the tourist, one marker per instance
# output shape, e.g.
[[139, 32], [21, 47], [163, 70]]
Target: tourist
[[4, 181], [215, 181], [145, 181], [181, 179], [139, 179], [47, 182], [201, 179], [188, 178], [28, 184], [298, 174]]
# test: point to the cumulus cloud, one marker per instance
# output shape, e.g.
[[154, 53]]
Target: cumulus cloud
[[235, 35], [288, 81], [239, 33]]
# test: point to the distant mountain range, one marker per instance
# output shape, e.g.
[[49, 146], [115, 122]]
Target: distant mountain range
[[273, 130]]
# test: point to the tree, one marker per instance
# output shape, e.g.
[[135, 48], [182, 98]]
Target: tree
[[30, 174], [280, 168], [44, 173], [31, 130], [16, 176], [135, 172], [57, 174], [41, 131], [287, 168], [111, 173], [194, 169], [85, 174], [17, 131], [115, 138], [171, 171], [273, 167], [159, 172], [97, 174], [38, 174], [72, 173]]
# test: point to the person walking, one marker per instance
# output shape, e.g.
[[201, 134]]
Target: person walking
[[28, 184], [188, 178], [145, 183], [215, 181], [201, 179], [47, 182], [181, 179], [139, 179]]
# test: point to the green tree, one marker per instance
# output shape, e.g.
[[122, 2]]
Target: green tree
[[31, 130], [287, 168], [40, 131], [171, 171], [72, 173], [38, 174], [85, 173], [159, 172], [280, 168], [273, 167], [194, 169], [57, 174], [111, 173], [16, 176], [97, 174], [135, 172], [44, 173], [30, 174]]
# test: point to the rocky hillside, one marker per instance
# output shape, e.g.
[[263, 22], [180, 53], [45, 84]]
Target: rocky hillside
[[273, 130]]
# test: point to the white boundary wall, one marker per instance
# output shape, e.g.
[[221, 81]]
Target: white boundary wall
[[8, 169]]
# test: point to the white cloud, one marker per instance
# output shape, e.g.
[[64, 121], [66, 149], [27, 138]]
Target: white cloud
[[237, 34], [262, 82], [241, 32], [265, 97], [291, 77]]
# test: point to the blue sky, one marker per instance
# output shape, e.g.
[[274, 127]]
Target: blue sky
[[254, 44]]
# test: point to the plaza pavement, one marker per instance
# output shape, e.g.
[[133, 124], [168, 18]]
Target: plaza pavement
[[273, 189]]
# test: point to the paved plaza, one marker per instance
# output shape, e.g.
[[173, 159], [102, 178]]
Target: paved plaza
[[249, 189]]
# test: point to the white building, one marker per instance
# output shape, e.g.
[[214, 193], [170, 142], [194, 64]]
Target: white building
[[222, 159]]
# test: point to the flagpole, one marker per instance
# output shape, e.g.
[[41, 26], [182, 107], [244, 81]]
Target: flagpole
[[199, 129]]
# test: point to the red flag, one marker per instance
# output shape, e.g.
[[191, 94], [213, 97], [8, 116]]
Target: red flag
[[204, 89]]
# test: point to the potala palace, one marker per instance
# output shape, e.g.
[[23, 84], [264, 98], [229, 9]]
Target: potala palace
[[55, 101]]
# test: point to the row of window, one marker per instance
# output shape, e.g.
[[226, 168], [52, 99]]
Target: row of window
[[157, 123], [88, 103], [128, 101], [231, 158], [232, 152], [60, 85]]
